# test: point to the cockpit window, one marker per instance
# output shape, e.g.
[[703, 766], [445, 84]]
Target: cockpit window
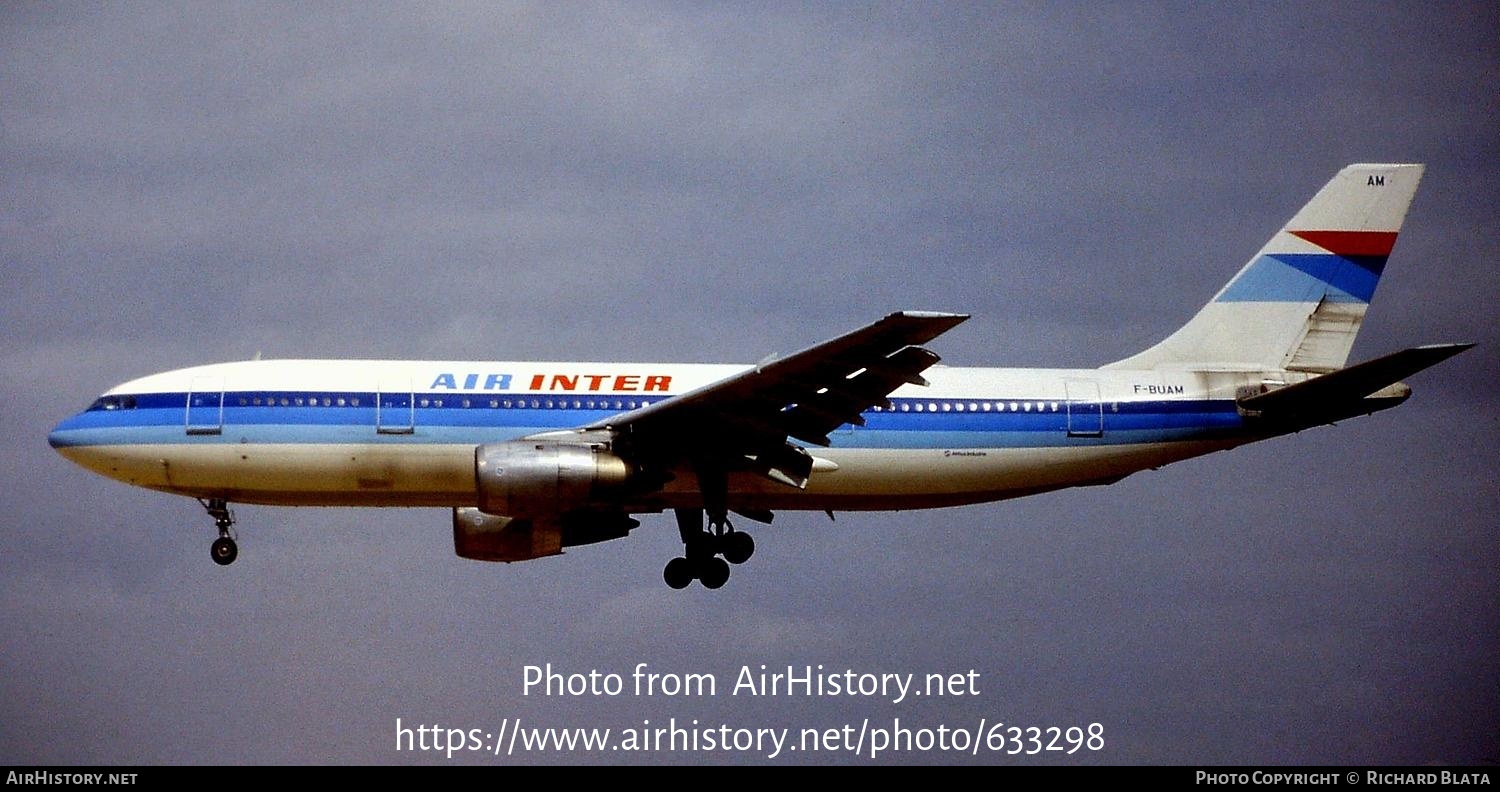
[[113, 403]]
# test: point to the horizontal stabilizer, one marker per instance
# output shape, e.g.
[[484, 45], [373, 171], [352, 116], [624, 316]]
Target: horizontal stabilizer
[[1348, 385]]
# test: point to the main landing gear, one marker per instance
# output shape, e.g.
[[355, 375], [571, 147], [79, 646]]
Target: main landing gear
[[223, 550], [700, 559]]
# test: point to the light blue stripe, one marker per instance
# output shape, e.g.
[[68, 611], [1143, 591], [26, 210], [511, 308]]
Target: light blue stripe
[[1306, 277], [885, 430]]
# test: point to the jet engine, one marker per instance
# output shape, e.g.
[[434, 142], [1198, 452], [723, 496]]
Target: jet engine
[[546, 479], [489, 537]]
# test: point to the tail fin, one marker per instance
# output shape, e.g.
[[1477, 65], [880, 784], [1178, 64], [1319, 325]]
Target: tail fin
[[1299, 302]]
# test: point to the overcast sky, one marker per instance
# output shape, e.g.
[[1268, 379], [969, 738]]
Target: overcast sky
[[184, 184]]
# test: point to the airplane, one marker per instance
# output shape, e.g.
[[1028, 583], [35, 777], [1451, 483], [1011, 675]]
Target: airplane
[[536, 457]]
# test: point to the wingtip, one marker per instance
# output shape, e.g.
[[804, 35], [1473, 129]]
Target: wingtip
[[1455, 348], [950, 319]]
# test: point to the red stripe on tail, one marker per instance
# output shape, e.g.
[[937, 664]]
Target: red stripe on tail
[[1351, 243]]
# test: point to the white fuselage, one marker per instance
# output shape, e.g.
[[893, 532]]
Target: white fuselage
[[387, 433]]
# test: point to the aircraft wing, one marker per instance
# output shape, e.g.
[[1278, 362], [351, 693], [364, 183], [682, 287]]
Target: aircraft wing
[[748, 420]]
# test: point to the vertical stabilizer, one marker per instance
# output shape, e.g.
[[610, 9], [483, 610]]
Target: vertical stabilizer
[[1299, 302]]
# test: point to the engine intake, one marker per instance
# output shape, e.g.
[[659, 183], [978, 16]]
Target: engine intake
[[546, 479]]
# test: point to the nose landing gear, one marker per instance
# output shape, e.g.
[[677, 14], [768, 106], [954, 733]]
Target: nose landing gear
[[223, 550]]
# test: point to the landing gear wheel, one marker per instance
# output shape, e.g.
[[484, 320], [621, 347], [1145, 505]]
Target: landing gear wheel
[[713, 573], [224, 551], [678, 573], [707, 553], [738, 547]]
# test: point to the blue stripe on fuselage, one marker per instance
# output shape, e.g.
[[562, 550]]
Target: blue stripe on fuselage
[[160, 418], [346, 399]]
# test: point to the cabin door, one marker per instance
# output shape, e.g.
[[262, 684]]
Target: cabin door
[[1085, 410], [205, 406], [395, 410]]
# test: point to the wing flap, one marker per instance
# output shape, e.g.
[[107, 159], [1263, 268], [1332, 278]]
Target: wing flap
[[785, 463], [867, 386]]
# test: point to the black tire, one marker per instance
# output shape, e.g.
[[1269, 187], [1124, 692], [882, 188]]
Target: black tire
[[224, 551], [678, 573], [702, 547], [714, 573], [738, 547]]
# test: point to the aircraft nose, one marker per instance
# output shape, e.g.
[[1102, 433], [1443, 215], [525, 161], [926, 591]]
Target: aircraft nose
[[58, 437]]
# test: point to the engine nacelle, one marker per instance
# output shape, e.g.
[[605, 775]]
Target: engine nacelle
[[545, 479], [489, 537]]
